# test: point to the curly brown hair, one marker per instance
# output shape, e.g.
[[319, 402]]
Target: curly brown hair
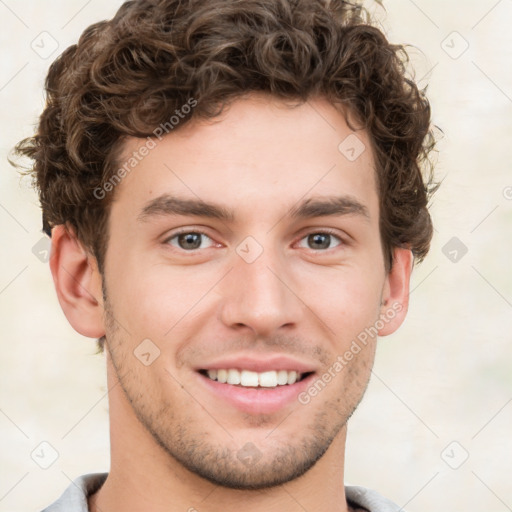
[[128, 75]]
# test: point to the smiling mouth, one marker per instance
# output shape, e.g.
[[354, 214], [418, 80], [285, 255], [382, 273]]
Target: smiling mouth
[[250, 379]]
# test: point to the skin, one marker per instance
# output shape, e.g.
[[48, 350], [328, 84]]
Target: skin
[[174, 443]]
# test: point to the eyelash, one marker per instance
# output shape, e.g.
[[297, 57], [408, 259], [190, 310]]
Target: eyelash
[[325, 231]]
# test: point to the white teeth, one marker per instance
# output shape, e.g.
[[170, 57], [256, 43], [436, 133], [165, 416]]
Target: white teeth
[[292, 377], [233, 377], [248, 378], [268, 379], [282, 377]]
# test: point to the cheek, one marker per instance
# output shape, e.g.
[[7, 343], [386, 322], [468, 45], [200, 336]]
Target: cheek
[[347, 299], [156, 300]]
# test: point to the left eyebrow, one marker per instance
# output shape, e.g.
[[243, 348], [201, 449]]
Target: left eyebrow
[[329, 206]]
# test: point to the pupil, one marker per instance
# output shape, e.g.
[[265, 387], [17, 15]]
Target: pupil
[[189, 240], [321, 241]]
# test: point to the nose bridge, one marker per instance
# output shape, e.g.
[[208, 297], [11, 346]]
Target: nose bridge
[[255, 294]]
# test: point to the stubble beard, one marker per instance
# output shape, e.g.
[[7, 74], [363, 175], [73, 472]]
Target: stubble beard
[[245, 465]]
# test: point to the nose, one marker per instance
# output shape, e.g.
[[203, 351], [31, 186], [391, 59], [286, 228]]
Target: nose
[[259, 296]]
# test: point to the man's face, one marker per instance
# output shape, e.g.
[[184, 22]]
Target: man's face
[[273, 285]]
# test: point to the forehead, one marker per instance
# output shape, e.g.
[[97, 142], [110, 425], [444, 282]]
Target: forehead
[[259, 151]]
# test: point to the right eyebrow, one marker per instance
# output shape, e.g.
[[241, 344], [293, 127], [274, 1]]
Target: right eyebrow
[[167, 204]]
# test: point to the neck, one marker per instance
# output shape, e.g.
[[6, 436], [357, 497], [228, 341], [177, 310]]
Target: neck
[[144, 477]]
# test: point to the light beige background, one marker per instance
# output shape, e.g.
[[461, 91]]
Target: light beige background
[[444, 377]]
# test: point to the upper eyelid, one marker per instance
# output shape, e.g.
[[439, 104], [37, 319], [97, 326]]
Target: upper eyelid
[[181, 231]]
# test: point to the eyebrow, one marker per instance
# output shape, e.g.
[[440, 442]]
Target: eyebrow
[[329, 206], [167, 204]]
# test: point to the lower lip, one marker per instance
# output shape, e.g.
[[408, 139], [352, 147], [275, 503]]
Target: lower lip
[[257, 400]]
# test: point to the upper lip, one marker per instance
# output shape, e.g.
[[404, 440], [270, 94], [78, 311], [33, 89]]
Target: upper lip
[[259, 363]]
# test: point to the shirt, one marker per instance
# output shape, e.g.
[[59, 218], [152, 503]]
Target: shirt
[[74, 498]]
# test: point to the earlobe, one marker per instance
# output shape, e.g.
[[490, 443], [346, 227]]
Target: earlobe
[[395, 297], [77, 283]]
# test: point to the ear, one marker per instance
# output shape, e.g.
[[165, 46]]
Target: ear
[[395, 294], [77, 282]]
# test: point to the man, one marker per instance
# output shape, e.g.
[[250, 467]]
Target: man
[[235, 198]]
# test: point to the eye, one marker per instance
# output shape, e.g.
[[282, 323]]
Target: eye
[[321, 240], [189, 240]]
